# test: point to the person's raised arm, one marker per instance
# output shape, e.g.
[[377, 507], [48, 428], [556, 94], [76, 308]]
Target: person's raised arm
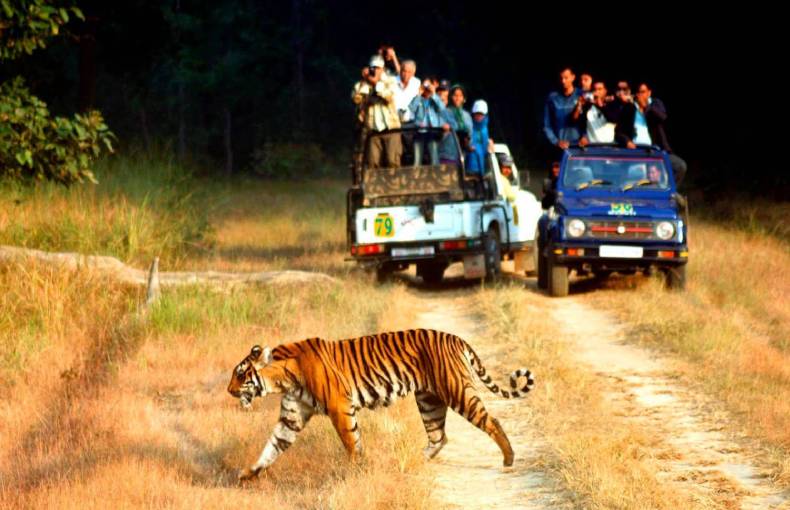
[[657, 109], [394, 59]]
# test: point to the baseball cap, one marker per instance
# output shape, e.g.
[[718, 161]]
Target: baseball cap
[[480, 106]]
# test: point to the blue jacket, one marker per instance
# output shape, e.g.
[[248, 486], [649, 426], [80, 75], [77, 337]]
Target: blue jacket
[[476, 159], [427, 112], [447, 147], [558, 123]]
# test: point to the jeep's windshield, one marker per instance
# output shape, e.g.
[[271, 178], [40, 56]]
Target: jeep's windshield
[[622, 173]]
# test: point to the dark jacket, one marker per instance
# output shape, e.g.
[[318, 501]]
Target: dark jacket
[[611, 112], [655, 115]]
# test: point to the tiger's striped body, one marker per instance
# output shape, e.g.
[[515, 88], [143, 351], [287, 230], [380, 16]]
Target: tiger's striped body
[[339, 378]]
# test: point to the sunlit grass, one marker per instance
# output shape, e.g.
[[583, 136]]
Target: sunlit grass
[[142, 207]]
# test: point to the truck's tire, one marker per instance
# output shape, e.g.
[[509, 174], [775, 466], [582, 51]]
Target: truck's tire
[[493, 255], [383, 273], [602, 274], [431, 272], [543, 266], [533, 271], [558, 280], [676, 277]]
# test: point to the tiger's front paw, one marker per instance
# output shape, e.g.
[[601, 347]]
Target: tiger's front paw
[[247, 474]]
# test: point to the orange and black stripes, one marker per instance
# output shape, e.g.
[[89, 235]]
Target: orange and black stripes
[[337, 378]]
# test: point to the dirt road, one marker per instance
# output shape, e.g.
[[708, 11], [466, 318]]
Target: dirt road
[[694, 453]]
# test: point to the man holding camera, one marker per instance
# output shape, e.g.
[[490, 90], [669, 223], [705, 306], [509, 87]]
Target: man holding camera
[[641, 122], [597, 116], [427, 110], [374, 96]]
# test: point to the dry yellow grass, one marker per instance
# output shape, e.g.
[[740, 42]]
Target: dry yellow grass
[[276, 225], [732, 326], [148, 422], [100, 410]]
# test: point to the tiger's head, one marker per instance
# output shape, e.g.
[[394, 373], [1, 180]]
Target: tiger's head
[[258, 375]]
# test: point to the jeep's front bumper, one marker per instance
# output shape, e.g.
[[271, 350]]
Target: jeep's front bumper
[[575, 254]]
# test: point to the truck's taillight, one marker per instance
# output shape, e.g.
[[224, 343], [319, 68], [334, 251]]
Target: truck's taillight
[[666, 254], [367, 249], [453, 245]]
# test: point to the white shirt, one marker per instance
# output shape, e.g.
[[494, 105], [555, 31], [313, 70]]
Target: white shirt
[[404, 95], [640, 126], [599, 130]]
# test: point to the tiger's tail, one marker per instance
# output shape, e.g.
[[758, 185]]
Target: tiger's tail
[[515, 391]]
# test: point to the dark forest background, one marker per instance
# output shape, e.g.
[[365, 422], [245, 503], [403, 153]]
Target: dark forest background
[[234, 84]]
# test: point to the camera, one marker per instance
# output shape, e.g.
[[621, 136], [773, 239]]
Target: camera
[[589, 97]]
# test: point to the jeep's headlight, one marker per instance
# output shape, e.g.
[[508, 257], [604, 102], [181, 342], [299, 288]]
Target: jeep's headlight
[[576, 228], [665, 230]]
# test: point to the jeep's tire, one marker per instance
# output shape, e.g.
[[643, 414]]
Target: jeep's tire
[[431, 272], [543, 266], [492, 255], [676, 277], [558, 279]]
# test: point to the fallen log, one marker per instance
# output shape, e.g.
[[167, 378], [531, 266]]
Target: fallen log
[[130, 275]]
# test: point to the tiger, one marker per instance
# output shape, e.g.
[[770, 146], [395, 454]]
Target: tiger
[[338, 378]]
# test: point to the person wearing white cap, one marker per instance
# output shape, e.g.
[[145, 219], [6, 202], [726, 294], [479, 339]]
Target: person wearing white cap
[[478, 146], [374, 96]]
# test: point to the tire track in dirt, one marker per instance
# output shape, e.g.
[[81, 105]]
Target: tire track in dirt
[[468, 471], [696, 454]]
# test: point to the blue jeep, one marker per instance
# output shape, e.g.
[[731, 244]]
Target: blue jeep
[[612, 210]]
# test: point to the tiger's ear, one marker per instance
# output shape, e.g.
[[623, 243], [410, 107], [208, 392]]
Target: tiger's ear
[[267, 355]]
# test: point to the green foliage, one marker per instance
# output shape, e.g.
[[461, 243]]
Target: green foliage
[[26, 25], [35, 145]]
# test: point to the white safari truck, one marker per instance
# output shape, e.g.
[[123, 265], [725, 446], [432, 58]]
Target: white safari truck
[[434, 215]]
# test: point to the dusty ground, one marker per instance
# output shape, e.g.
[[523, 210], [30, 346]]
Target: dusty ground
[[699, 456], [695, 453], [469, 472]]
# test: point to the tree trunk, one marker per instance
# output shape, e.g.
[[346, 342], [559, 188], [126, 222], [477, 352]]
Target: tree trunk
[[144, 129], [87, 65], [228, 142], [182, 126], [297, 43]]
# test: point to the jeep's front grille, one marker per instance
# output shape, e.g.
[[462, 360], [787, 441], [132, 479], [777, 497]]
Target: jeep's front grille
[[618, 229]]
